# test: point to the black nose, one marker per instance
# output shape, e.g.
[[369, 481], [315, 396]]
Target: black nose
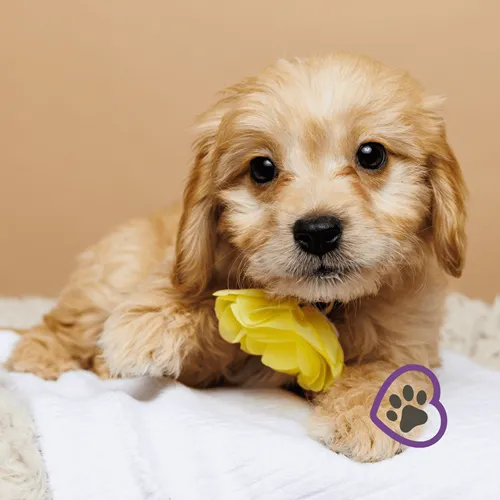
[[318, 235]]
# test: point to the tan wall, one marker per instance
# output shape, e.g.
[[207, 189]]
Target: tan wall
[[96, 98]]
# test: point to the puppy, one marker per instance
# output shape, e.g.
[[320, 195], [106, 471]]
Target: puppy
[[327, 179]]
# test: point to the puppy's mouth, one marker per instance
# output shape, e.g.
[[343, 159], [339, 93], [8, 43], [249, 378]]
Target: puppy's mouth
[[325, 272], [333, 274], [320, 271]]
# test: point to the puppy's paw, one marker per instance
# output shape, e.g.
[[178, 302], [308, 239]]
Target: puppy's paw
[[137, 342], [41, 355], [353, 434]]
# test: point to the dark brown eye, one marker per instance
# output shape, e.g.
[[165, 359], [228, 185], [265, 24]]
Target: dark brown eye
[[262, 170], [371, 155]]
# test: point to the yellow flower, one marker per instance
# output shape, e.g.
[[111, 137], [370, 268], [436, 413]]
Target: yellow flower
[[291, 339]]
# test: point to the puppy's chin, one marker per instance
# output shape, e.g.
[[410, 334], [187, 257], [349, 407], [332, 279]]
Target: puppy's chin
[[327, 287]]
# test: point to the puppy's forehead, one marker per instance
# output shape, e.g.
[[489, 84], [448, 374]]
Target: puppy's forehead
[[326, 88], [328, 106]]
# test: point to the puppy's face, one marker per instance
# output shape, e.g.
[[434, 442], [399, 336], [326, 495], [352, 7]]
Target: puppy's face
[[321, 172]]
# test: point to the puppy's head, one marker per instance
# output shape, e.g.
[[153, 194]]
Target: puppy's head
[[326, 177]]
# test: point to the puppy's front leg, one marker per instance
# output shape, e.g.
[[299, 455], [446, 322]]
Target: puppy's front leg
[[341, 417], [159, 332]]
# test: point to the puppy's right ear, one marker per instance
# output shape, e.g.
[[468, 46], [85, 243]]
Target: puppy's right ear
[[449, 196], [448, 210], [196, 240]]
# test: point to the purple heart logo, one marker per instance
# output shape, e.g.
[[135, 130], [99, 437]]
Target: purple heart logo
[[433, 402]]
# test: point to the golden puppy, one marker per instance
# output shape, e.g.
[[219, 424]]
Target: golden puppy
[[328, 179]]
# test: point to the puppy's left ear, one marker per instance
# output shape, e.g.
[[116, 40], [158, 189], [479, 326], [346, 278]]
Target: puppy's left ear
[[448, 204]]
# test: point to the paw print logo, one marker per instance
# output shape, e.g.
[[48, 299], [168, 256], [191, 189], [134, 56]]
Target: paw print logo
[[410, 416], [407, 409]]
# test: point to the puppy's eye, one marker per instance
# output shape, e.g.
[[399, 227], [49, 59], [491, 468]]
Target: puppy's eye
[[262, 170], [371, 155]]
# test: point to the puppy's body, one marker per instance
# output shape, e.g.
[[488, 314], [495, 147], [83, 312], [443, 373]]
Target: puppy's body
[[143, 295]]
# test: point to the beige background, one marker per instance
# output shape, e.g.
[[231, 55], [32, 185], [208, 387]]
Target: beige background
[[96, 98]]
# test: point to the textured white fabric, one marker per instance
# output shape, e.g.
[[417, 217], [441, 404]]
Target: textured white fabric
[[22, 471], [472, 328], [146, 439]]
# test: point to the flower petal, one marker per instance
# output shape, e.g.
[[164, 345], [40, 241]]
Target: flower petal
[[315, 382], [229, 327], [281, 357], [270, 335], [309, 360], [252, 346]]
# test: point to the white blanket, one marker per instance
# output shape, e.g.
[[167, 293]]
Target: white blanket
[[145, 439]]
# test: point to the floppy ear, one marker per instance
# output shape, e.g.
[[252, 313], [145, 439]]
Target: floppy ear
[[196, 237], [195, 247], [448, 208]]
